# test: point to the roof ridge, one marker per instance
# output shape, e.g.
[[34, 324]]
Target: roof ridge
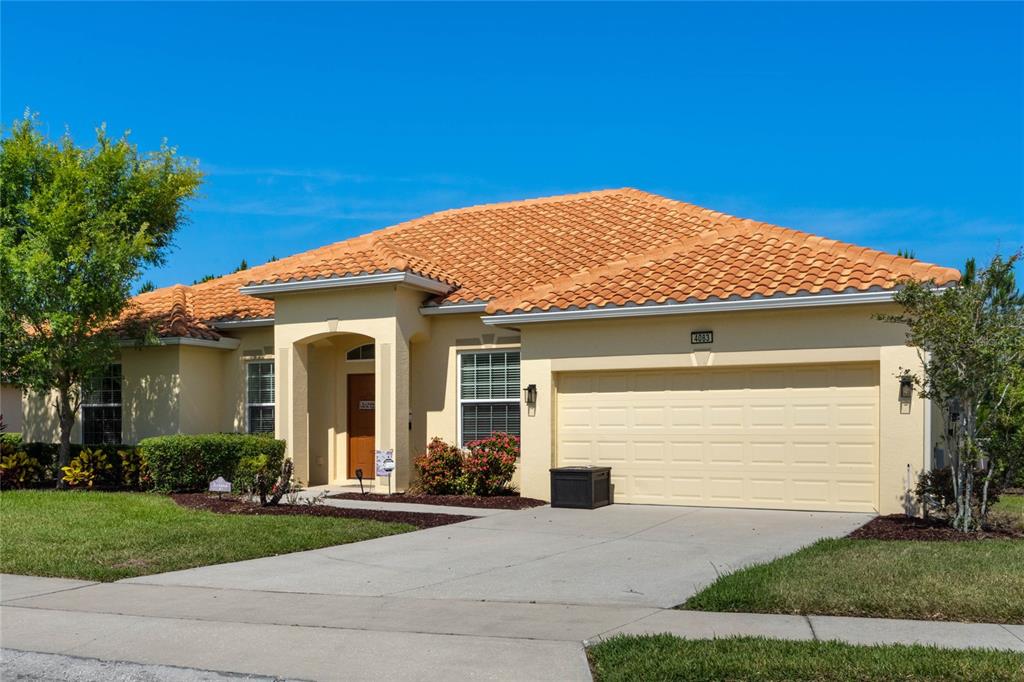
[[499, 205]]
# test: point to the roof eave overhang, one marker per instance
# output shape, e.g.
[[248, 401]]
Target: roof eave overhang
[[223, 343], [773, 303], [228, 325], [403, 278], [453, 308]]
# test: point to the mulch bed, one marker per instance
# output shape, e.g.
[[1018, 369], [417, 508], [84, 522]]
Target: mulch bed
[[236, 505], [901, 527], [496, 502]]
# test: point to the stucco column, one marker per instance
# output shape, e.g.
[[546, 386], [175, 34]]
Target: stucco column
[[536, 428], [296, 392], [391, 367], [901, 427]]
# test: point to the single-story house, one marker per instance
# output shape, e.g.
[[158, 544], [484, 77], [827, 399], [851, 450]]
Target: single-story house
[[707, 359]]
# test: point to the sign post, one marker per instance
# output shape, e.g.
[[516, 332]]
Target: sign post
[[385, 464], [219, 485]]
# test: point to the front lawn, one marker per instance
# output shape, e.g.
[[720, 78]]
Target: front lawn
[[665, 657], [1011, 508], [109, 536], [979, 580]]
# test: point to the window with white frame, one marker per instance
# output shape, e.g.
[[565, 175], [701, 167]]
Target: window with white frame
[[101, 408], [259, 401], [364, 352], [488, 394]]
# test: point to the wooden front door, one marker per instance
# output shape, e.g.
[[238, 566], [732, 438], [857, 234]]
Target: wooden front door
[[361, 410]]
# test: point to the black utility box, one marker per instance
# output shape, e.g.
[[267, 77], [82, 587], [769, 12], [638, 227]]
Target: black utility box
[[581, 487]]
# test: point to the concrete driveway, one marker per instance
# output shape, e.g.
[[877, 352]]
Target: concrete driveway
[[625, 555]]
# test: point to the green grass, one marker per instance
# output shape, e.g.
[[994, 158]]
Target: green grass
[[980, 580], [1011, 509], [665, 657], [109, 536]]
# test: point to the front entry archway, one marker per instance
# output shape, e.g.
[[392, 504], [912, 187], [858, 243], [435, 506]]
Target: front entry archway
[[361, 430]]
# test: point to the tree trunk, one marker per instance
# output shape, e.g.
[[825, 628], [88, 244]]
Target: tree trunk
[[66, 416]]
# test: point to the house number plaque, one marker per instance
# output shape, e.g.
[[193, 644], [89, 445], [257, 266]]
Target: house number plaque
[[702, 337], [365, 404]]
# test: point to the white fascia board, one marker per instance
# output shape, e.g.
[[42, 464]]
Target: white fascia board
[[453, 308], [224, 343], [241, 324], [798, 301], [406, 278]]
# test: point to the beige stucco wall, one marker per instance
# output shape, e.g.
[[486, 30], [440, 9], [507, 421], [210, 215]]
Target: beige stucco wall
[[825, 335], [167, 389], [435, 379], [150, 391], [388, 314], [11, 408], [40, 419], [255, 343]]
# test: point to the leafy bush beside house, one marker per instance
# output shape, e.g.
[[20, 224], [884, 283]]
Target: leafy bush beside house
[[184, 463], [485, 468], [490, 464], [45, 456], [440, 469]]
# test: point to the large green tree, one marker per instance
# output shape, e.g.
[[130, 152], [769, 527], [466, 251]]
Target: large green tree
[[970, 339], [78, 225]]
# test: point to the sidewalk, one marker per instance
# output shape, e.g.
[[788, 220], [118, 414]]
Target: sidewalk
[[316, 636]]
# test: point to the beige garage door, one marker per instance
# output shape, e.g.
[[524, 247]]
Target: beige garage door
[[802, 437]]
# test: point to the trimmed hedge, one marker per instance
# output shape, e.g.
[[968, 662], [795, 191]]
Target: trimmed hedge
[[188, 463]]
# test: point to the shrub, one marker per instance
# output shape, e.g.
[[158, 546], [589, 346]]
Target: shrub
[[250, 473], [134, 472], [12, 439], [188, 463], [440, 469], [17, 469], [935, 494], [490, 464], [88, 468]]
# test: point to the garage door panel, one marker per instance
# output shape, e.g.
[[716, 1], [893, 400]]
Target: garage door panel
[[797, 438]]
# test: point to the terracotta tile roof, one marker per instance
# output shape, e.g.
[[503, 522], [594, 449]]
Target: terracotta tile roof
[[736, 259], [170, 312], [609, 247]]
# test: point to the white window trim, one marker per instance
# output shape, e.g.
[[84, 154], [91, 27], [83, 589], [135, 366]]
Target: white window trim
[[470, 401], [348, 359], [248, 363], [82, 405]]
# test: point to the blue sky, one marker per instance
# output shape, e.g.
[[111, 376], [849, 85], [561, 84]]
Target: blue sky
[[886, 125]]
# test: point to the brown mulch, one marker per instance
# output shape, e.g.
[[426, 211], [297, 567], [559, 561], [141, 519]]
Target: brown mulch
[[230, 504], [901, 527], [495, 502]]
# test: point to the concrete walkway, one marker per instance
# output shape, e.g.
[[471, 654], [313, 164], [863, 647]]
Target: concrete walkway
[[316, 636], [392, 506]]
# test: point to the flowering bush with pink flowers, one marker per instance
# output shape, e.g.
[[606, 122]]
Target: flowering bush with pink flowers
[[485, 468], [440, 469], [490, 463]]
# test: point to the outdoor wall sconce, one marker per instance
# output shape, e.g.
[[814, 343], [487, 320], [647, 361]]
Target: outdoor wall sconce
[[906, 388], [531, 395]]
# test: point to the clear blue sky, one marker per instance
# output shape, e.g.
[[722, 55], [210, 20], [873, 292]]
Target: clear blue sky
[[886, 125]]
